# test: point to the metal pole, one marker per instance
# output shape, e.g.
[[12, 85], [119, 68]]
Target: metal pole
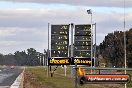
[[40, 60], [90, 12], [91, 42], [48, 38], [99, 68], [65, 69], [43, 61], [75, 74], [124, 36], [72, 25], [125, 39], [95, 49], [95, 46], [48, 52]]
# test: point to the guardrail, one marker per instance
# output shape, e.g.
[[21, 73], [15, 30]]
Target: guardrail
[[98, 68]]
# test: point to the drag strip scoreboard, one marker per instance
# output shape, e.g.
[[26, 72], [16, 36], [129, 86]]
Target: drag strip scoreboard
[[82, 44], [59, 40], [82, 41], [60, 44]]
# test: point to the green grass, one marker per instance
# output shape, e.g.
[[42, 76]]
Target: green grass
[[60, 81], [129, 85], [54, 82]]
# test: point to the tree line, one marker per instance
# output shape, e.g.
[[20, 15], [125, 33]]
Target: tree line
[[30, 57], [112, 48]]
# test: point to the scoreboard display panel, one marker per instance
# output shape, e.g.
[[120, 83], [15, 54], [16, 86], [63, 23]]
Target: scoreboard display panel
[[60, 43], [82, 41], [59, 40]]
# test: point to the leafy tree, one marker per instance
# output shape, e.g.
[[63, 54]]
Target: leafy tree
[[32, 57], [112, 48], [21, 58], [9, 59]]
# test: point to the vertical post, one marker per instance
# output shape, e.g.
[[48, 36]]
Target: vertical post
[[125, 40], [43, 61], [72, 26], [95, 48], [90, 12], [65, 69], [40, 59], [75, 74], [48, 52], [124, 37], [91, 41]]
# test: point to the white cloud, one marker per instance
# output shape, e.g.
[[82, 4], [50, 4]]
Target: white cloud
[[129, 16], [101, 3], [7, 31], [18, 39], [24, 28], [22, 34]]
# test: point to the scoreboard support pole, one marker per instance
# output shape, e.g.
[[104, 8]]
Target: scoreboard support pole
[[65, 68], [72, 27], [94, 47], [91, 41], [48, 52], [76, 77]]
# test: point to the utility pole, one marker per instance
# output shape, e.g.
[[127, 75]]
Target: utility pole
[[48, 52], [125, 39], [95, 48], [72, 26], [90, 12]]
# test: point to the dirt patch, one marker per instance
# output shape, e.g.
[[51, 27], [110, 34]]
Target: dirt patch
[[30, 81]]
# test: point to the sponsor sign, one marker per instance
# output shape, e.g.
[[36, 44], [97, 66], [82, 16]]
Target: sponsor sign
[[106, 78], [82, 61], [69, 61], [59, 61]]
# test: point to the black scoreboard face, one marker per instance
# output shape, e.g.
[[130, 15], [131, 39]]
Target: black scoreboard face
[[60, 43], [59, 40], [82, 41]]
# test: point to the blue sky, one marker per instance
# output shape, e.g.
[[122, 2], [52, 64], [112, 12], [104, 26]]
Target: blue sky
[[24, 22]]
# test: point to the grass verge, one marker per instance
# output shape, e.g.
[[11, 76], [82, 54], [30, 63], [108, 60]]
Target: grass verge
[[36, 77]]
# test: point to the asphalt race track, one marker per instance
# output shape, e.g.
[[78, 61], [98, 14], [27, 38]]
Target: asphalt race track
[[8, 75]]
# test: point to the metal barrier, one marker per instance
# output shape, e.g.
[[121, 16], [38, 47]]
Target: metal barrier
[[98, 68], [18, 83]]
